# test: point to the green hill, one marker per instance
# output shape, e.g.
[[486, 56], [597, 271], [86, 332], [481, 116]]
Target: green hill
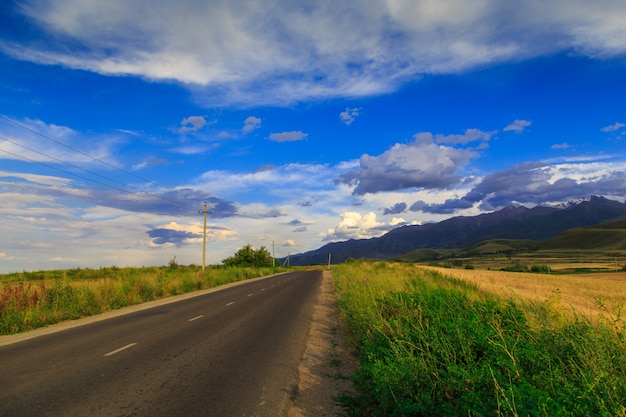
[[487, 247], [422, 255], [502, 246], [605, 236]]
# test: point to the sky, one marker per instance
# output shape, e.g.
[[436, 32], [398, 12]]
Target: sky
[[296, 123]]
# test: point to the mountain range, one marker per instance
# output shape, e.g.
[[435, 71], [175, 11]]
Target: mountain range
[[537, 223]]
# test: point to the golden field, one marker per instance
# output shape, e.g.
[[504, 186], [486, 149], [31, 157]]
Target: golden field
[[588, 295]]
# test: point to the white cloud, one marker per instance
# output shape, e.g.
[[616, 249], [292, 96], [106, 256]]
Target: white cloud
[[314, 51], [288, 136], [614, 127], [419, 164], [192, 124], [470, 135], [354, 225], [518, 126], [194, 149], [563, 145], [349, 115], [251, 123]]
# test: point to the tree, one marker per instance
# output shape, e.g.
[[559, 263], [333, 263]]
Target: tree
[[248, 256]]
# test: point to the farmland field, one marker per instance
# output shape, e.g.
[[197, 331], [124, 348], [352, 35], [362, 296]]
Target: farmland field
[[590, 295]]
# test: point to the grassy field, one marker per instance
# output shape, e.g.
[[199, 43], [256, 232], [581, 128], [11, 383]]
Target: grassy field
[[34, 299], [452, 342]]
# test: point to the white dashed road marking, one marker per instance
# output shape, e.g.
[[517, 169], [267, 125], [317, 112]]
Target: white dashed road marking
[[113, 352]]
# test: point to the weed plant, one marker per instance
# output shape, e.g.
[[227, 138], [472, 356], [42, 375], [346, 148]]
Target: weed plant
[[35, 299], [436, 346]]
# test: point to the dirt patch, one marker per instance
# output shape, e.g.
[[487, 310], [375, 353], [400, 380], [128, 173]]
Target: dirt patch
[[327, 362]]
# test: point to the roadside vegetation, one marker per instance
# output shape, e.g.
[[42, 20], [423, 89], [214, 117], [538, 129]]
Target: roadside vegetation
[[35, 299], [436, 345]]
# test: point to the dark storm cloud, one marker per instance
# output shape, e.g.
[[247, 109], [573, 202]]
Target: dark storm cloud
[[162, 236], [396, 209], [449, 207]]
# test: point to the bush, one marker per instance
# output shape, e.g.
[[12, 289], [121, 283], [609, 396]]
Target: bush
[[517, 267], [540, 269], [247, 257]]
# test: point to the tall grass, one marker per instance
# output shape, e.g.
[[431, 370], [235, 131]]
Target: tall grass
[[34, 299], [432, 345]]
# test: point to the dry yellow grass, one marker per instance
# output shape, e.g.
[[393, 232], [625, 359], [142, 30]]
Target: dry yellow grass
[[588, 295]]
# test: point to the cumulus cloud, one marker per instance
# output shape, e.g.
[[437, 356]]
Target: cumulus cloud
[[349, 115], [518, 126], [419, 164], [251, 123], [192, 124], [354, 225], [288, 136], [213, 47]]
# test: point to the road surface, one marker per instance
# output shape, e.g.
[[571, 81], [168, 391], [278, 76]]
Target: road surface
[[233, 352]]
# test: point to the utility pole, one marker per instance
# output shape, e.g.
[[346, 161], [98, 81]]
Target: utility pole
[[273, 257], [204, 241]]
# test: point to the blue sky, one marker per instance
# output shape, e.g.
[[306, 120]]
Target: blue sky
[[298, 123]]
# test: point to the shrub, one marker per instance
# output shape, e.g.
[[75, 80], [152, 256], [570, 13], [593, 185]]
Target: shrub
[[540, 269], [517, 267], [248, 256]]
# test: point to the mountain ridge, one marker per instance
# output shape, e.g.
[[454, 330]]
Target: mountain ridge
[[536, 223]]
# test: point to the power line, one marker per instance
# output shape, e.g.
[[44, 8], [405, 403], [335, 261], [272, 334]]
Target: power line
[[124, 190], [20, 125], [59, 160], [64, 171]]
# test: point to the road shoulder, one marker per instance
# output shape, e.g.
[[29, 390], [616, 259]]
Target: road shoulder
[[327, 362]]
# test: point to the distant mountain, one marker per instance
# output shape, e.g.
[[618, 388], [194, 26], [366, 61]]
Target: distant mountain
[[538, 223]]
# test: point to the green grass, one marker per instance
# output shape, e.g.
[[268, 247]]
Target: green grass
[[34, 299], [436, 346]]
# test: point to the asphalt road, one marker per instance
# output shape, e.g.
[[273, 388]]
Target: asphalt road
[[233, 352]]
